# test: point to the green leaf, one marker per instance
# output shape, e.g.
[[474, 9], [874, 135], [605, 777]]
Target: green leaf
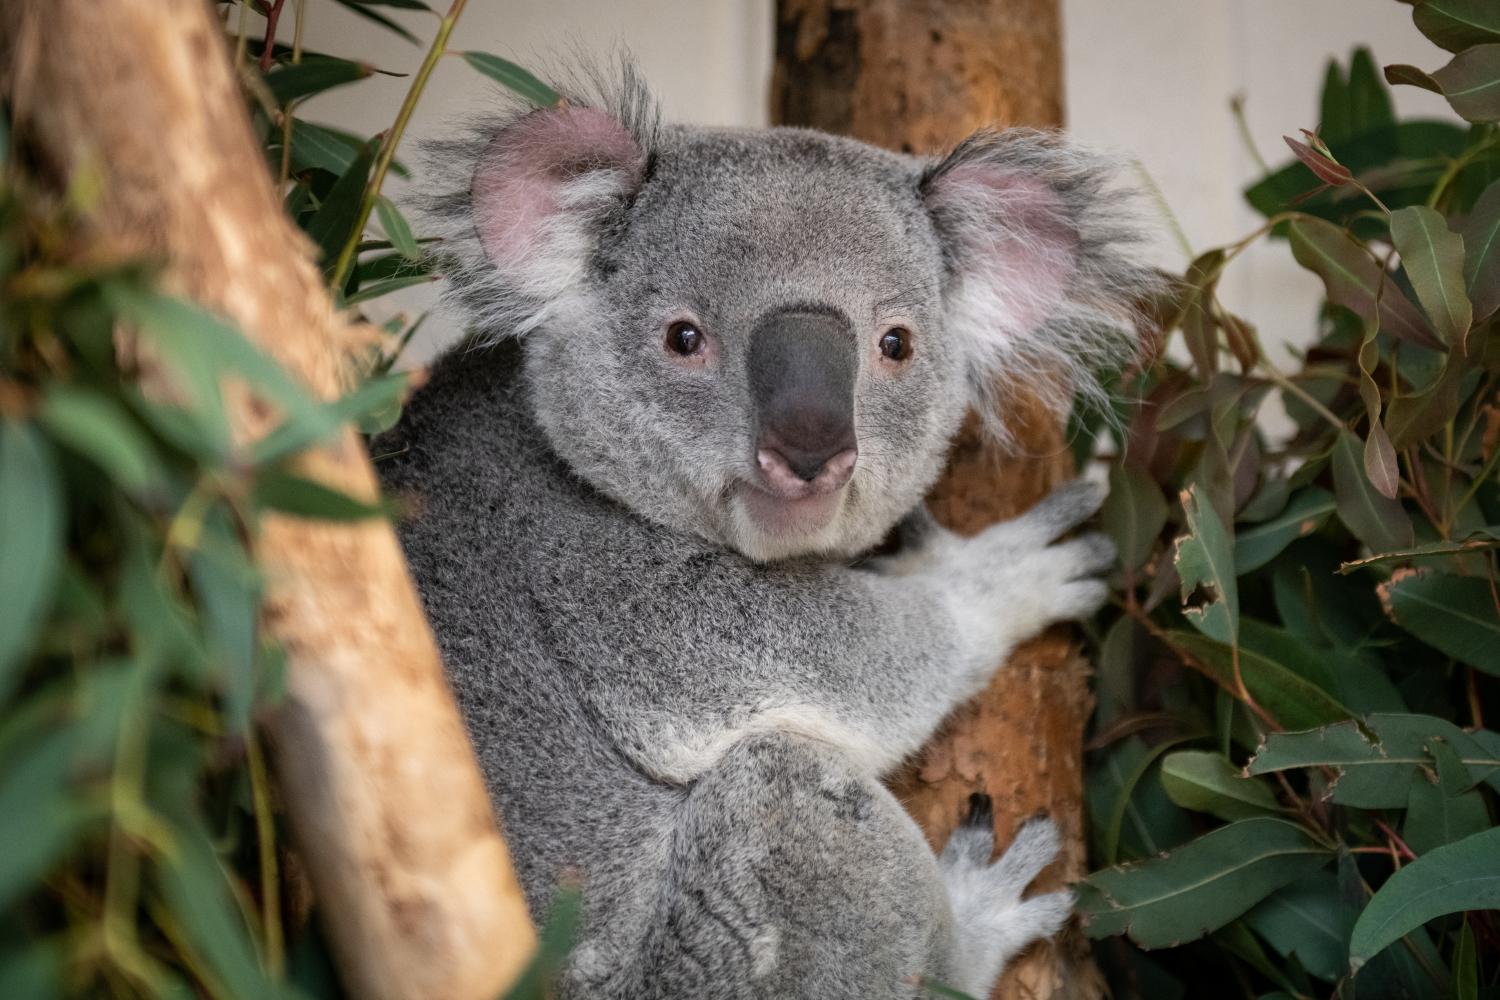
[[1134, 513], [1290, 697], [360, 7], [1444, 808], [1466, 965], [1457, 24], [1452, 879], [276, 489], [100, 429], [1309, 921], [322, 147], [1481, 236], [1477, 540], [396, 229], [1378, 762], [1369, 100], [373, 395], [313, 75], [32, 514], [333, 224], [1206, 782], [1378, 521], [1125, 769], [1259, 544], [41, 814], [1471, 83], [1434, 261], [1199, 887], [1204, 557], [1411, 76], [558, 937], [228, 591], [34, 970], [379, 288], [1455, 614], [513, 77]]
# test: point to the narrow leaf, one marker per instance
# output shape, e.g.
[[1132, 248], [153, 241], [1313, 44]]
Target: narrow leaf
[[1258, 544], [1411, 76], [32, 511], [1204, 557], [294, 494], [514, 78], [396, 229], [1454, 614], [1134, 513], [1377, 520], [1206, 782], [313, 75], [333, 225], [1327, 171], [95, 426]]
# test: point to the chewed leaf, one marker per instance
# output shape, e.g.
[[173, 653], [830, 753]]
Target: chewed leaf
[[1205, 564]]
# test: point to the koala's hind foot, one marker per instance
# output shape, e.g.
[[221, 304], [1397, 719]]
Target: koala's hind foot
[[992, 922]]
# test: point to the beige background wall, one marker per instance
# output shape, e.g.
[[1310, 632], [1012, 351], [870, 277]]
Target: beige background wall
[[1150, 78]]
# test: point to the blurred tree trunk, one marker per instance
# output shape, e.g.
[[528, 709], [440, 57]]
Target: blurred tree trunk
[[385, 797], [918, 76]]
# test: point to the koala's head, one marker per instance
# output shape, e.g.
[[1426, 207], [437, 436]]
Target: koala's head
[[768, 337]]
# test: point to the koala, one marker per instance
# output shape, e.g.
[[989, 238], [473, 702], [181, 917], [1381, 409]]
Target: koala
[[711, 372]]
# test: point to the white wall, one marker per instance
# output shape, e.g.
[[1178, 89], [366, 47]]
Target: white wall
[[1150, 78]]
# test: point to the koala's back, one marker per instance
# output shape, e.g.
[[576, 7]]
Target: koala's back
[[501, 539]]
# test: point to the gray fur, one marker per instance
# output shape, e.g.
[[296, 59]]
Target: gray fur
[[687, 710]]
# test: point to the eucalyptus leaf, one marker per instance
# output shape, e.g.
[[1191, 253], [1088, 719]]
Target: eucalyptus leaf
[[396, 229], [1200, 887], [32, 512], [1434, 260], [1454, 614], [1206, 782], [98, 428], [1471, 82], [1134, 513], [1204, 556], [1378, 521], [1457, 24], [514, 78], [313, 75], [1451, 879], [1305, 513], [1481, 235]]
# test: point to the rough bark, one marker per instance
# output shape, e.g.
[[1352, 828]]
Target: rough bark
[[385, 797], [919, 75]]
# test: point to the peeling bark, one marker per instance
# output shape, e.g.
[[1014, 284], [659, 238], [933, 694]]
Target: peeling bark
[[385, 797], [918, 76]]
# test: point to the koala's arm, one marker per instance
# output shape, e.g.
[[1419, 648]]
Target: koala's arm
[[866, 658]]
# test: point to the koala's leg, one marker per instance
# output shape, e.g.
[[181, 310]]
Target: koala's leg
[[794, 875], [992, 921]]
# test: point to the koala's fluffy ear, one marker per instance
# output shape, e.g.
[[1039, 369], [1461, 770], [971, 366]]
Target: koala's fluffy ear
[[1042, 281], [527, 197]]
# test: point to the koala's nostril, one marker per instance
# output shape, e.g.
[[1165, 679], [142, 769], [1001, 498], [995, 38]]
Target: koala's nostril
[[794, 472]]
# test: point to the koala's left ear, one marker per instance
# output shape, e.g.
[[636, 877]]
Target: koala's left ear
[[1042, 281]]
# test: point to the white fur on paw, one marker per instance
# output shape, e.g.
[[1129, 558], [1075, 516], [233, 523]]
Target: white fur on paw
[[992, 919]]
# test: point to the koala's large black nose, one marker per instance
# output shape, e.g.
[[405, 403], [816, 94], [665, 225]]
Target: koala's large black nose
[[802, 368]]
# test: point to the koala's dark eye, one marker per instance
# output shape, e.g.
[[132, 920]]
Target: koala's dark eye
[[895, 343], [684, 338]]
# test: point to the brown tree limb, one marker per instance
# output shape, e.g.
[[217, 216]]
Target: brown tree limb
[[919, 75], [384, 794]]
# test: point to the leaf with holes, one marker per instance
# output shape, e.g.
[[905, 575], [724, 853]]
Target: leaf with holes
[[1204, 557]]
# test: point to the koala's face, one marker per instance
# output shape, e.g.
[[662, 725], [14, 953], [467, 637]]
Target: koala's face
[[765, 337]]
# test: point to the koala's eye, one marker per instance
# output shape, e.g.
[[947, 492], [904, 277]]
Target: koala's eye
[[685, 339], [895, 343]]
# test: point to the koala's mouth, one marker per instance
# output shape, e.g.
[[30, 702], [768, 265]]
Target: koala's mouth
[[789, 517]]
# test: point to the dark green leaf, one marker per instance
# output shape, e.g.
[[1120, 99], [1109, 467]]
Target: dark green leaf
[[1134, 513], [1375, 770], [98, 428], [1206, 782], [374, 395], [1369, 100], [1457, 24], [1308, 919], [41, 816], [228, 591], [1204, 556], [33, 971], [1471, 82], [361, 7], [325, 148], [1481, 235], [333, 225], [558, 937], [1454, 614], [293, 494], [1443, 808], [1461, 876], [1201, 886], [1378, 521], [380, 288], [313, 75], [1466, 965], [1434, 260], [513, 77], [1289, 696], [1305, 513], [396, 229], [1473, 541], [1411, 76], [32, 512]]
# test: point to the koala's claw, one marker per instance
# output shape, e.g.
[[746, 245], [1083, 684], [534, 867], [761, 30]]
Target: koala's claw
[[994, 922]]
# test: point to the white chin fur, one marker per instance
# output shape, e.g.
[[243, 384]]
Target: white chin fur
[[765, 543]]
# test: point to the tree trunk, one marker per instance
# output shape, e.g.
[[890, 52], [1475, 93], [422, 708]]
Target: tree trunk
[[919, 75], [384, 794]]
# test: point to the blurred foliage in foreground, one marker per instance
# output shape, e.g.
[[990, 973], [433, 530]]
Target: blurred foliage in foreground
[[141, 847], [1291, 785]]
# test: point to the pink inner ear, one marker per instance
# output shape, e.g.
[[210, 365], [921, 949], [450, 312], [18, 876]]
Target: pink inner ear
[[515, 187], [1024, 241]]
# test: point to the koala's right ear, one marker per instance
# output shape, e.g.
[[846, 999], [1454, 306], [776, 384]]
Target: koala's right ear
[[537, 191]]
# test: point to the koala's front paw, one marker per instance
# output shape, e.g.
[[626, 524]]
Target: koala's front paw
[[1014, 579], [992, 921]]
